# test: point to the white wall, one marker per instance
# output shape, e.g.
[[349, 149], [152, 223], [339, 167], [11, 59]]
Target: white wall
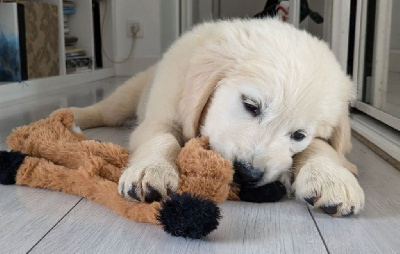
[[170, 18], [155, 16]]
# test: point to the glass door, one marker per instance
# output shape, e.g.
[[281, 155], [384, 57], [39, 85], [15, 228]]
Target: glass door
[[377, 64]]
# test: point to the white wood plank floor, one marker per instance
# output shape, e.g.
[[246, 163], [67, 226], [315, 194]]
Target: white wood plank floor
[[41, 221]]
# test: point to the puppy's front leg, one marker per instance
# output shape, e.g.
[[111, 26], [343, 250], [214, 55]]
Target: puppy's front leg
[[152, 173], [323, 179]]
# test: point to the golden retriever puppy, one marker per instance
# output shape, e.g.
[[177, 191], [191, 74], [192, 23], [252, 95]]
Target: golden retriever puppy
[[272, 99]]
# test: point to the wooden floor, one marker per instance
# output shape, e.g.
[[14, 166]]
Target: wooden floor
[[42, 221]]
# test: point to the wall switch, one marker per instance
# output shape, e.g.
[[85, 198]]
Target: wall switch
[[129, 26]]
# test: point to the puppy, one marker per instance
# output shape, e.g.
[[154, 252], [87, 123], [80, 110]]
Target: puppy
[[272, 99]]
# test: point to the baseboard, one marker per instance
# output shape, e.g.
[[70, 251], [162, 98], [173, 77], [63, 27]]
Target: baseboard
[[385, 156], [382, 136], [15, 91], [134, 66]]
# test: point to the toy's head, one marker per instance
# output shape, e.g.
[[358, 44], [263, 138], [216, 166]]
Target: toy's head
[[212, 173], [205, 178], [59, 126]]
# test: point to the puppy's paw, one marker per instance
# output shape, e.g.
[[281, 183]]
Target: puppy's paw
[[88, 117], [149, 182], [85, 118], [329, 187]]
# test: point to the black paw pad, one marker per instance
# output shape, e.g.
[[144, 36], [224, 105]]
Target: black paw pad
[[310, 200], [152, 195], [169, 192], [189, 216], [9, 165], [332, 209], [270, 192], [350, 213], [132, 192]]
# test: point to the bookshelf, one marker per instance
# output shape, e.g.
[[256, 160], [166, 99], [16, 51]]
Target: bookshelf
[[81, 25]]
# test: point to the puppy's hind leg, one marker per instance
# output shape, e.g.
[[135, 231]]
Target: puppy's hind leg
[[118, 107]]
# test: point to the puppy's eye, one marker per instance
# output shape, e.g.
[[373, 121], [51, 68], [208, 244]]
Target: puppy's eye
[[251, 106], [297, 136]]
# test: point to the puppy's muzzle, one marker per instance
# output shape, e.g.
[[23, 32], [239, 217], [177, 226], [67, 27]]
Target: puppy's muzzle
[[246, 173]]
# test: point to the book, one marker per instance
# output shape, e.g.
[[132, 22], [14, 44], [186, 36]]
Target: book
[[73, 54], [67, 10], [68, 4], [71, 51], [78, 64], [70, 40]]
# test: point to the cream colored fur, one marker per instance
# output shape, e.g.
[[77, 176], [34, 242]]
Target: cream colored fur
[[294, 78]]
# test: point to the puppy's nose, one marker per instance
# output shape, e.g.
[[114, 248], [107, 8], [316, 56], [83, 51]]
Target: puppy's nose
[[246, 173]]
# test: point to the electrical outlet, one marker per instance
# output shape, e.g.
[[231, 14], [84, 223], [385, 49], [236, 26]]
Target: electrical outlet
[[130, 24]]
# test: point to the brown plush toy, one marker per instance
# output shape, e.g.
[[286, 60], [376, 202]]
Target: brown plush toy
[[50, 154]]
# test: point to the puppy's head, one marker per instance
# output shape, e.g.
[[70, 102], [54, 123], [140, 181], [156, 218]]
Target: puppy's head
[[271, 90]]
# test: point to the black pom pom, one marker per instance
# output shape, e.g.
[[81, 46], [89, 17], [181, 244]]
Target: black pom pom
[[189, 216], [270, 192], [9, 165]]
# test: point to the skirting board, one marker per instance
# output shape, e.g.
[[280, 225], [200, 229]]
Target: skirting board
[[14, 91], [135, 65], [381, 136], [389, 159]]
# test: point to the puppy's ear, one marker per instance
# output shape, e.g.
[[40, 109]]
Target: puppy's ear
[[341, 136], [206, 69], [341, 141], [193, 103]]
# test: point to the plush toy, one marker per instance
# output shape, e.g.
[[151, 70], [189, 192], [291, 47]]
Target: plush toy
[[51, 154]]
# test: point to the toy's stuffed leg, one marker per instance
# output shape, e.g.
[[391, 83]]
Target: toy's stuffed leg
[[58, 128], [113, 154], [81, 152], [16, 168], [107, 157]]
